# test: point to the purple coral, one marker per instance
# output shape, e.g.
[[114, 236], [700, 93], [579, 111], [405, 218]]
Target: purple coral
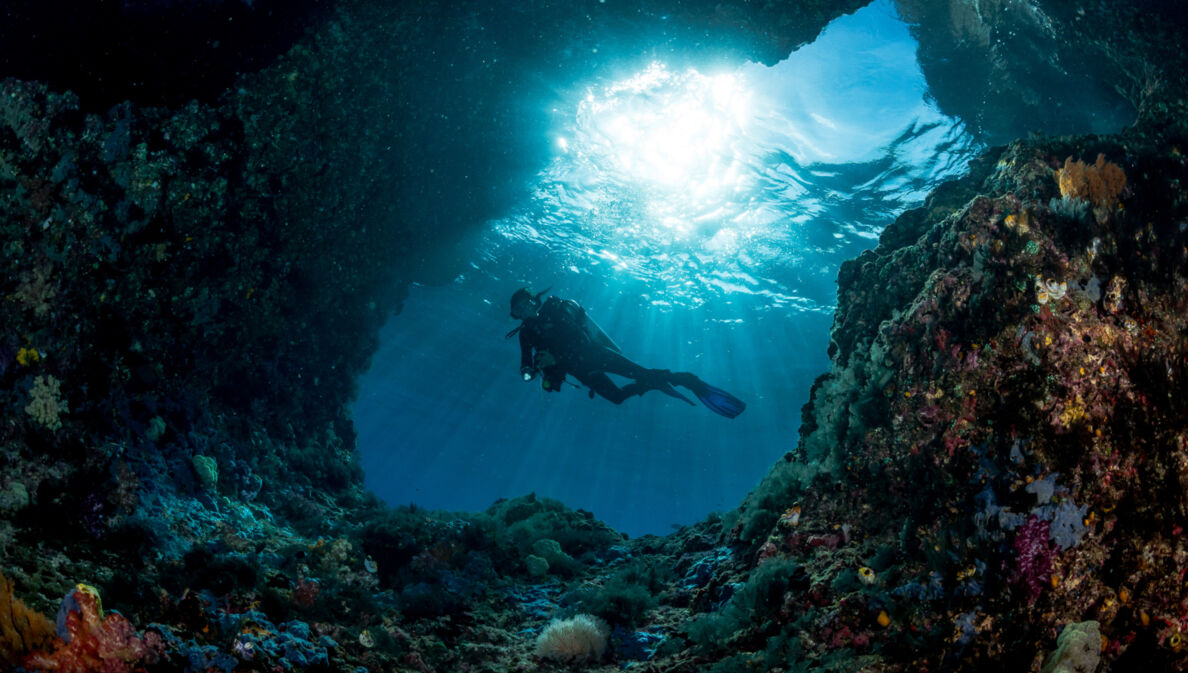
[[1035, 554]]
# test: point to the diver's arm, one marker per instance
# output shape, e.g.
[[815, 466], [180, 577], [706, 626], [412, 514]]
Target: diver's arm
[[527, 368]]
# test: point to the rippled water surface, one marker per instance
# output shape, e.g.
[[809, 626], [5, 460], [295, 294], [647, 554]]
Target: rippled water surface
[[758, 181]]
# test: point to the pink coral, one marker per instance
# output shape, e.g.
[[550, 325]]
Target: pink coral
[[306, 592], [1035, 554]]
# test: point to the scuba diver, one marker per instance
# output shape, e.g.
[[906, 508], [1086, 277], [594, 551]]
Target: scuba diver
[[557, 338]]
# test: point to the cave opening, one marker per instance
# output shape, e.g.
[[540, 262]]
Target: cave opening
[[700, 216]]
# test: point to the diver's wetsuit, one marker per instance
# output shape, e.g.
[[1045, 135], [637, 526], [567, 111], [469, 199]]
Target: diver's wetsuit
[[561, 331]]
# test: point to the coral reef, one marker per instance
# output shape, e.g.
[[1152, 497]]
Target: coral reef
[[992, 472]]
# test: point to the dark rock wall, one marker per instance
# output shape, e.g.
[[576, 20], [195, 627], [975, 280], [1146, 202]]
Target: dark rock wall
[[1053, 67], [153, 52]]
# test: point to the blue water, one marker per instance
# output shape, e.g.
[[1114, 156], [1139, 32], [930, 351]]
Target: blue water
[[700, 217]]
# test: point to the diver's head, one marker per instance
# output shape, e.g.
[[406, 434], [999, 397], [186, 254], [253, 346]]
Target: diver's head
[[525, 304]]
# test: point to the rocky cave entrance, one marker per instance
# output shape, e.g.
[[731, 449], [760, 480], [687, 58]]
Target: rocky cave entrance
[[701, 212]]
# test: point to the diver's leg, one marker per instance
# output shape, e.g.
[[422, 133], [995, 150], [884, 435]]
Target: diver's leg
[[613, 362], [685, 380], [645, 379], [601, 384], [606, 360], [616, 363]]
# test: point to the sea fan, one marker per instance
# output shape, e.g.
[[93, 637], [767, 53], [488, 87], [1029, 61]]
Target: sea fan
[[22, 630]]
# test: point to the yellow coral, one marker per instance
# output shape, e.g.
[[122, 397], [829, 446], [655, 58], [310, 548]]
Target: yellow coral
[[791, 516], [1074, 411], [1020, 223], [28, 356], [46, 404], [1099, 183]]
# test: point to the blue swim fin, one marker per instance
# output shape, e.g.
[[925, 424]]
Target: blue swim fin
[[715, 399], [719, 401]]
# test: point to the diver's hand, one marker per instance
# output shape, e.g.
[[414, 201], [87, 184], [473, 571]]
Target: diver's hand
[[528, 373]]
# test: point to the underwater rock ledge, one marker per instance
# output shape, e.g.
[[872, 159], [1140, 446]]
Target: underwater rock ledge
[[991, 477]]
